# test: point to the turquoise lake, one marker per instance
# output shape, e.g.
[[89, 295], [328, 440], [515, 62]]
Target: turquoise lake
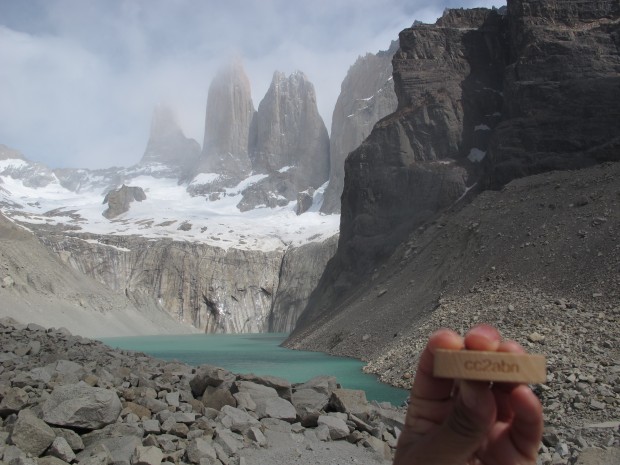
[[260, 354]]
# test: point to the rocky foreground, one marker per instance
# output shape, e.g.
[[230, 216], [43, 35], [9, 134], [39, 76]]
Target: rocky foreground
[[66, 399]]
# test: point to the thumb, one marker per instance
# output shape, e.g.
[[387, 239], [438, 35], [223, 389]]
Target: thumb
[[466, 427]]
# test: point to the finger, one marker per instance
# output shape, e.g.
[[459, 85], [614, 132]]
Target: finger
[[465, 428], [425, 385], [502, 391], [482, 337], [527, 425]]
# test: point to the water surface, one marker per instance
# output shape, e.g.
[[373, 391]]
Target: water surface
[[262, 355]]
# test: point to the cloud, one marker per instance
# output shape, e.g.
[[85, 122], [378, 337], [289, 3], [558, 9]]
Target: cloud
[[79, 80]]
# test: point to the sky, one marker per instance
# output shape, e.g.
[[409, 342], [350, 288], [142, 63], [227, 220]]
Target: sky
[[79, 79]]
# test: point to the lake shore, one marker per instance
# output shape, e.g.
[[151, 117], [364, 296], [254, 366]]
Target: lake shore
[[136, 408]]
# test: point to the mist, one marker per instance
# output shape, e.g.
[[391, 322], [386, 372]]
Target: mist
[[79, 80]]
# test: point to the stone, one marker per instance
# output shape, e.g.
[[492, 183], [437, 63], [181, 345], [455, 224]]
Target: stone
[[281, 385], [149, 455], [61, 449], [172, 398], [229, 441], [139, 410], [73, 439], [13, 400], [120, 450], [309, 403], [257, 392], [276, 407], [119, 200], [31, 434], [199, 449], [217, 398], [380, 447], [350, 401], [81, 406], [322, 384], [244, 401], [256, 435], [49, 460], [208, 375], [594, 456], [338, 428], [237, 420], [97, 455]]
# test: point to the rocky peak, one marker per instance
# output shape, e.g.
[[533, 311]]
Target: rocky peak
[[227, 125], [167, 145], [366, 96], [118, 200], [290, 131], [7, 153], [289, 143]]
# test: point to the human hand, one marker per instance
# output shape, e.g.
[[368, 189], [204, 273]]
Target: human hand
[[464, 422]]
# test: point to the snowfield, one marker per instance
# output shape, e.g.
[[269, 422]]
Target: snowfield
[[167, 207]]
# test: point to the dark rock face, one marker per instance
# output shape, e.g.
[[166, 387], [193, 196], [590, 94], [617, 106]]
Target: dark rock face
[[561, 89], [483, 98], [118, 200], [168, 145], [366, 96], [290, 131], [227, 126], [289, 143]]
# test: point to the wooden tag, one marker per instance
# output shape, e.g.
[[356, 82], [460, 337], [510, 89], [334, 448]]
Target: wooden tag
[[490, 366]]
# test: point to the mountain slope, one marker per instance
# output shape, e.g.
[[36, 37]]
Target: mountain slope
[[36, 287]]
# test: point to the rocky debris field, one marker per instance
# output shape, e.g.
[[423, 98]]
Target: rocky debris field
[[581, 341], [65, 399]]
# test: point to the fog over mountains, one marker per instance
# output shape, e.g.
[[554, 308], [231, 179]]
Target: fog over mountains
[[208, 234]]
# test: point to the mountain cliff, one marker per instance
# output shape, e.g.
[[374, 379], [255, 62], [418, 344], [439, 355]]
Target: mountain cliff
[[167, 147], [35, 286], [366, 96], [483, 98], [227, 124]]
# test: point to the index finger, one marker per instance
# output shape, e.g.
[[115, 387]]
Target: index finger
[[425, 385]]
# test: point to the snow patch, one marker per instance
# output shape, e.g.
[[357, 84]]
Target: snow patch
[[476, 155]]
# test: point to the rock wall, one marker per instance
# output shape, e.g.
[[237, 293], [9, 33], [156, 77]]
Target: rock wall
[[483, 98], [213, 289], [168, 146], [561, 89], [366, 96], [227, 125]]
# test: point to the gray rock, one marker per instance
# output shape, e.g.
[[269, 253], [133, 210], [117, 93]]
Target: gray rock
[[96, 455], [73, 439], [594, 456], [338, 428], [237, 420], [49, 460], [257, 392], [323, 384], [13, 400], [216, 398], [120, 199], [31, 434], [350, 401], [199, 449], [149, 455], [208, 375], [61, 449], [281, 385], [276, 407], [119, 449], [229, 441], [81, 406]]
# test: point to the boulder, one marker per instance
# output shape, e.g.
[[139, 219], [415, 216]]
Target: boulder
[[61, 449], [338, 428], [309, 405], [322, 384], [237, 420], [13, 400], [81, 406], [199, 449], [31, 434], [281, 385], [208, 375], [149, 455], [216, 398], [350, 401], [276, 407], [257, 392]]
